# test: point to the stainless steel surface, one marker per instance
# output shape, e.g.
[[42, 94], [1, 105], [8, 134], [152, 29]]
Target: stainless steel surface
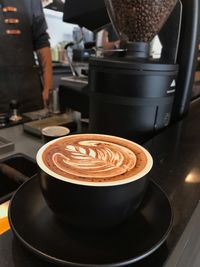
[[24, 143], [54, 106], [82, 80], [35, 127], [6, 145]]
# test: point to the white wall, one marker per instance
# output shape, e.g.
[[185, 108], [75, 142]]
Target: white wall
[[58, 30]]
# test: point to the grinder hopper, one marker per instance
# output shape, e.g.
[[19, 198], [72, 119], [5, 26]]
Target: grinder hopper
[[138, 21]]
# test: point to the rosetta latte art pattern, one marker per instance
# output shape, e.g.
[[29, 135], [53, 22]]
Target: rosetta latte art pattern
[[92, 158]]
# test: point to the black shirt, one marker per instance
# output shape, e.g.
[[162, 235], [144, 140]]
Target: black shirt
[[112, 36], [38, 23]]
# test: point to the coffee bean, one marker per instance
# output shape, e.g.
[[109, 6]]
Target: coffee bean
[[140, 20]]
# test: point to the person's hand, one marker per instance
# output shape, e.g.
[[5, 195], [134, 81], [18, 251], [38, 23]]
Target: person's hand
[[45, 61]]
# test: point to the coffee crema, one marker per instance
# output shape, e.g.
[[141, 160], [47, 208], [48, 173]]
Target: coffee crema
[[94, 158]]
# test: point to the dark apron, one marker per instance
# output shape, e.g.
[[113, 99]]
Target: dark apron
[[19, 77]]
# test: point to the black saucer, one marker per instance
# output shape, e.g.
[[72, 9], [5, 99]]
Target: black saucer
[[36, 227]]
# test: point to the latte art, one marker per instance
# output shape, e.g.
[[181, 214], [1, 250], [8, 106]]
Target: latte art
[[95, 159]]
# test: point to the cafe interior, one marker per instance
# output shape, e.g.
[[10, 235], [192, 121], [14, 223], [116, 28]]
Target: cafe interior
[[145, 90]]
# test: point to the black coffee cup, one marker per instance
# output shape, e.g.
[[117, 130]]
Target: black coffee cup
[[52, 132], [86, 201]]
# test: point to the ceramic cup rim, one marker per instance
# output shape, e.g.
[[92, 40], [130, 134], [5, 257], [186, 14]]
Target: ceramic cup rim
[[133, 178], [67, 131]]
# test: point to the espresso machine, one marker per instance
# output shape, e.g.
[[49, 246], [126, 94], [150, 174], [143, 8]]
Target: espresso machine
[[133, 94]]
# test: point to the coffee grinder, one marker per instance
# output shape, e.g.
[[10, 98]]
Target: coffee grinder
[[132, 94]]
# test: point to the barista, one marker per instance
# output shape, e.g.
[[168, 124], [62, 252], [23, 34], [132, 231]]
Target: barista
[[23, 31], [110, 40]]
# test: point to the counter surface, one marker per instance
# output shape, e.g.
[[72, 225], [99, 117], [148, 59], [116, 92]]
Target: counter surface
[[24, 143], [176, 154]]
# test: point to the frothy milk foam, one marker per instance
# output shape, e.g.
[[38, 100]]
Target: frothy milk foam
[[94, 159]]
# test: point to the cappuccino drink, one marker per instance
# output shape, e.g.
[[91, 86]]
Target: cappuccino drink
[[93, 181], [94, 159]]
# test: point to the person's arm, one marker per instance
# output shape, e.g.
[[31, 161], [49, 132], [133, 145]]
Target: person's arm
[[44, 57], [41, 45], [108, 45]]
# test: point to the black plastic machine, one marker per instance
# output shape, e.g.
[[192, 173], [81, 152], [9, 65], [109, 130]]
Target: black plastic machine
[[133, 94]]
